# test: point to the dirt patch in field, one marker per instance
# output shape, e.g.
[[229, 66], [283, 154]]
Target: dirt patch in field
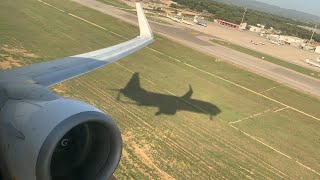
[[60, 89], [126, 156], [139, 152], [5, 65], [9, 63], [8, 57], [20, 52]]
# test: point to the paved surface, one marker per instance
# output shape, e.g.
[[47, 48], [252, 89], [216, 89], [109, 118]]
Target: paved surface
[[186, 36]]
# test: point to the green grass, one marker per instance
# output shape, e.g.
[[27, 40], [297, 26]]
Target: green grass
[[186, 145], [268, 58], [300, 134]]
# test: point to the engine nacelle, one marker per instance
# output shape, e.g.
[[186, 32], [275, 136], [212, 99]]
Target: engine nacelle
[[57, 139]]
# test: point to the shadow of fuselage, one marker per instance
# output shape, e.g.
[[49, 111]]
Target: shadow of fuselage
[[167, 104]]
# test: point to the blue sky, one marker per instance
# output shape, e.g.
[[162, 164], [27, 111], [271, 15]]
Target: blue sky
[[308, 6]]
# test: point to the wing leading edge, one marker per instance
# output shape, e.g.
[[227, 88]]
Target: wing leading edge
[[53, 72]]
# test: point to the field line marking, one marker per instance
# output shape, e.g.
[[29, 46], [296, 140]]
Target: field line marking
[[252, 116], [254, 138], [262, 142], [276, 150], [96, 25], [52, 6], [247, 154], [307, 167], [82, 19], [281, 109], [164, 54], [269, 89]]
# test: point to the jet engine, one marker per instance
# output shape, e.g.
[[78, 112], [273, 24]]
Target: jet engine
[[52, 138]]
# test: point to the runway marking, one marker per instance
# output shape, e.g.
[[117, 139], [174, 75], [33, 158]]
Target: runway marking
[[218, 77]]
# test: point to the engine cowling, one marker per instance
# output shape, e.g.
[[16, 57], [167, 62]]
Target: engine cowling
[[57, 139]]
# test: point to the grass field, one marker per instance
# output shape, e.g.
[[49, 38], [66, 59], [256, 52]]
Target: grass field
[[264, 130], [268, 58]]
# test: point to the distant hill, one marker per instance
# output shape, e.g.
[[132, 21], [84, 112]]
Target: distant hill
[[288, 13]]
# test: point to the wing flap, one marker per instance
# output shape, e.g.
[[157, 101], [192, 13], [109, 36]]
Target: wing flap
[[53, 72]]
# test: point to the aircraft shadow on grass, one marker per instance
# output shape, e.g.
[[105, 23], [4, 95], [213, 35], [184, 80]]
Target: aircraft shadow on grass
[[167, 104]]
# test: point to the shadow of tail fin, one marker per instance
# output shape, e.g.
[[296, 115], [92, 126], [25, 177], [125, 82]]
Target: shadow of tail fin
[[134, 82], [188, 94]]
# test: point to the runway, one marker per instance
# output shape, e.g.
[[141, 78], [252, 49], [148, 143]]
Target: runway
[[200, 42]]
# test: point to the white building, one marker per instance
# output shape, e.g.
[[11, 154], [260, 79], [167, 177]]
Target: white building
[[255, 29], [317, 49], [291, 39], [243, 26], [273, 37]]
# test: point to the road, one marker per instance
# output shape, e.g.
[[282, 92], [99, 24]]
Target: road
[[200, 42]]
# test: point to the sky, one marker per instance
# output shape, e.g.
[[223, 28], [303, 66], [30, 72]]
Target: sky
[[308, 6]]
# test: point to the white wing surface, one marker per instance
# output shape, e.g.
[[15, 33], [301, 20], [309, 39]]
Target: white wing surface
[[53, 72]]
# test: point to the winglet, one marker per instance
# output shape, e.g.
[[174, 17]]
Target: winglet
[[188, 94], [145, 30]]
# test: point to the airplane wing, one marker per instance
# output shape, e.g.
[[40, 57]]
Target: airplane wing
[[53, 72]]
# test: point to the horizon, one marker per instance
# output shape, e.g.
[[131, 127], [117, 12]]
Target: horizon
[[312, 7]]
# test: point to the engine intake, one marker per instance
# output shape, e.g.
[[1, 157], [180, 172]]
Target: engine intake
[[85, 146]]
